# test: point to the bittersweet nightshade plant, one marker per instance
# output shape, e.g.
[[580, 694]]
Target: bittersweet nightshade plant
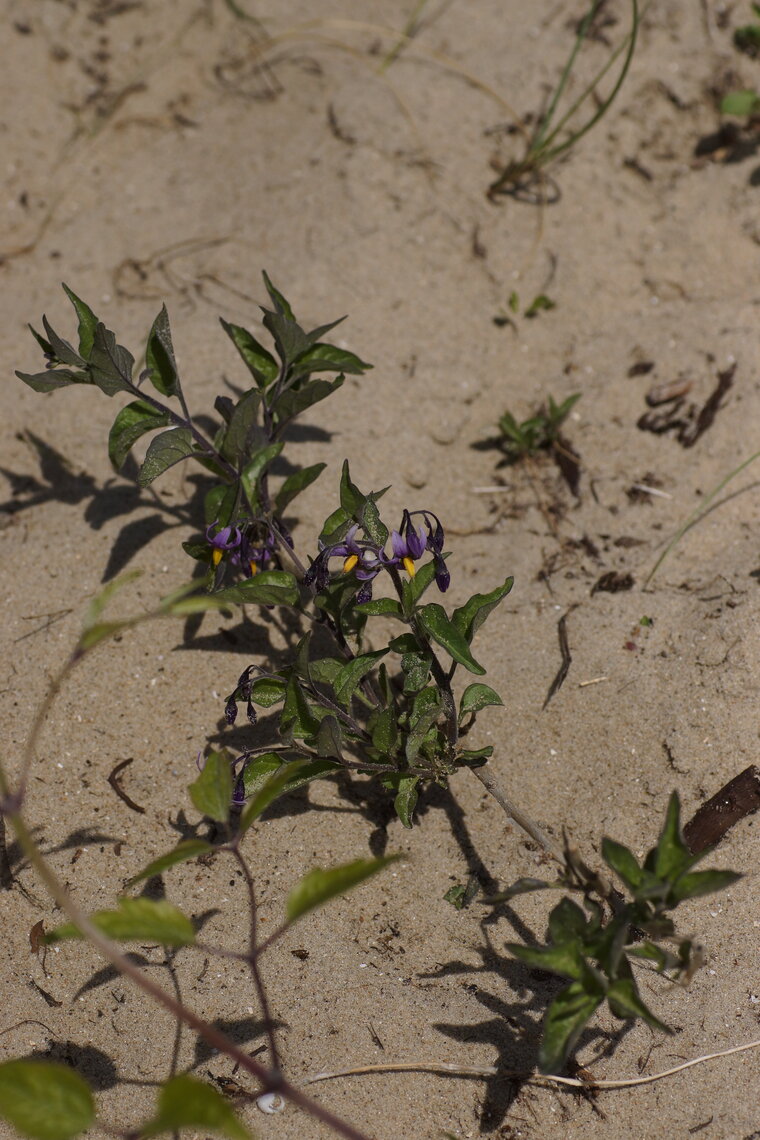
[[391, 708]]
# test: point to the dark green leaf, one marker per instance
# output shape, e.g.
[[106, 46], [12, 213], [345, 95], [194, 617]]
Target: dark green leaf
[[61, 349], [567, 922], [565, 1018], [297, 720], [625, 1002], [289, 338], [623, 862], [406, 798], [211, 793], [53, 379], [258, 770], [374, 527], [88, 322], [469, 617], [149, 920], [253, 471], [348, 678], [381, 606], [328, 358], [565, 960], [269, 588], [296, 483], [335, 527], [267, 691], [385, 732], [740, 103], [475, 697], [329, 738], [186, 1102], [45, 1100], [474, 757], [293, 775], [279, 302], [696, 883], [351, 499], [164, 451], [110, 363], [462, 895], [133, 421], [159, 356], [187, 849], [260, 363], [436, 624], [416, 670], [244, 435], [296, 400], [412, 589], [671, 857], [319, 886]]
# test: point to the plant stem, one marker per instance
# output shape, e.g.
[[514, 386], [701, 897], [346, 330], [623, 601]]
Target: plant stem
[[490, 783]]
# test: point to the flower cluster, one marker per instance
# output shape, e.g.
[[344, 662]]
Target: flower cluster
[[234, 542], [366, 558]]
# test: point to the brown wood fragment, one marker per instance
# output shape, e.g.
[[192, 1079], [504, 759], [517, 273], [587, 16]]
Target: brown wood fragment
[[564, 649], [114, 782], [738, 798], [36, 936]]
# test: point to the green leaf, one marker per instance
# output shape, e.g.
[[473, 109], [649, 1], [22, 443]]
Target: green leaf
[[351, 499], [539, 304], [110, 364], [474, 757], [132, 421], [293, 775], [567, 922], [61, 349], [374, 527], [186, 1102], [45, 1100], [385, 606], [696, 883], [329, 738], [469, 617], [164, 451], [412, 589], [623, 862], [296, 483], [267, 691], [159, 357], [565, 960], [296, 400], [279, 302], [319, 886], [289, 338], [406, 798], [254, 470], [349, 677], [187, 849], [297, 720], [625, 1002], [53, 379], [436, 624], [269, 588], [475, 697], [149, 920], [384, 731], [88, 322], [211, 793], [328, 358], [259, 362], [565, 1018], [244, 435], [259, 770]]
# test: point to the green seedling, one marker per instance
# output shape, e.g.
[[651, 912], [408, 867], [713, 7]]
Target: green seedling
[[747, 37], [540, 432], [556, 132]]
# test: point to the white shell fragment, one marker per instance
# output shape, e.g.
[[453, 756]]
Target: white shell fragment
[[270, 1102]]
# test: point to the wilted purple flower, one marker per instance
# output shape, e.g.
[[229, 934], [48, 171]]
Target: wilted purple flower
[[228, 538], [241, 692]]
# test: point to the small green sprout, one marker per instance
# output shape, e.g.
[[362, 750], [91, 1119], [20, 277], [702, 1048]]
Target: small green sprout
[[540, 432]]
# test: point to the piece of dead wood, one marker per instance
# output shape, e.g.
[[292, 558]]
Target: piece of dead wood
[[567, 659], [114, 782], [738, 798]]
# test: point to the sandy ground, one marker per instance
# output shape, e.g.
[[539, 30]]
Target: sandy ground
[[170, 152]]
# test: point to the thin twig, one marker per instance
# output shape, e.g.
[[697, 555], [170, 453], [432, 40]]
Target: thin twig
[[490, 783], [527, 1076]]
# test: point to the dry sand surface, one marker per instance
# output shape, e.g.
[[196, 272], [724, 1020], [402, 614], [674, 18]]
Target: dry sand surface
[[170, 152]]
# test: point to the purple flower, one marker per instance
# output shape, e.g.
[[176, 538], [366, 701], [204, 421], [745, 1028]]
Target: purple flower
[[365, 558], [228, 538]]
